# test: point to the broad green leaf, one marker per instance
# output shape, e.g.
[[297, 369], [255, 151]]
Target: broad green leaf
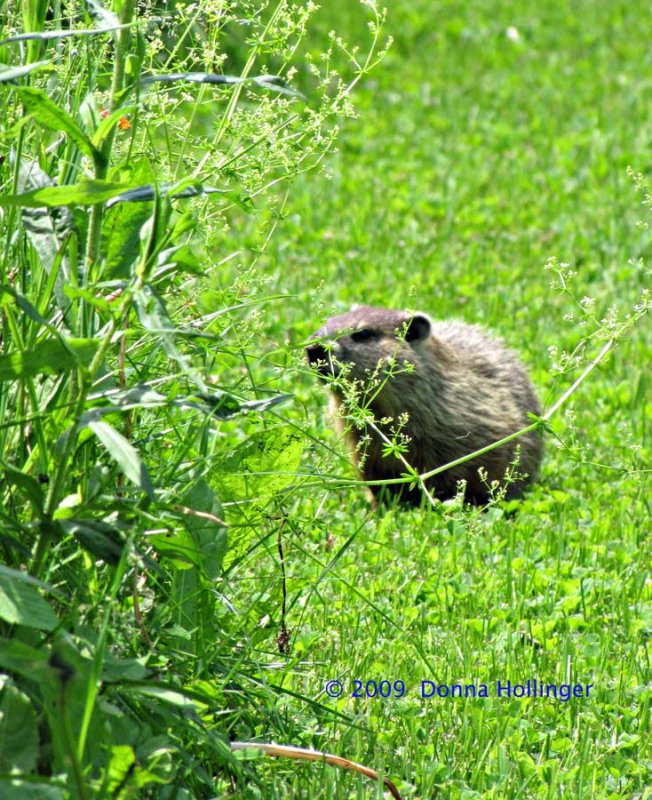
[[148, 193], [154, 317], [208, 533], [19, 575], [273, 82], [87, 193], [23, 659], [204, 544], [219, 404], [27, 485], [263, 465], [48, 113], [165, 694], [9, 295], [124, 454], [122, 765], [89, 296], [121, 238], [20, 789], [125, 772], [47, 228], [99, 538], [110, 24], [193, 77], [19, 737], [21, 604], [49, 357], [14, 73], [182, 257], [225, 405], [47, 36], [180, 547], [116, 670], [142, 396]]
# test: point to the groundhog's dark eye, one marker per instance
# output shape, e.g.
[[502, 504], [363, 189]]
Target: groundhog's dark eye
[[362, 335]]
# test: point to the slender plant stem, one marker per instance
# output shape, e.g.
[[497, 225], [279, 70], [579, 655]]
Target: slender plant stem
[[68, 742], [607, 347], [94, 677], [523, 432], [123, 40]]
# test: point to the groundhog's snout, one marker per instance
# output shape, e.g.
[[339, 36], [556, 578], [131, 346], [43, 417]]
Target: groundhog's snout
[[320, 358], [315, 353]]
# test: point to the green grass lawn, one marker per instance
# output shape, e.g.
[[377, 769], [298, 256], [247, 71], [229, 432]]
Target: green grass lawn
[[492, 159], [490, 139]]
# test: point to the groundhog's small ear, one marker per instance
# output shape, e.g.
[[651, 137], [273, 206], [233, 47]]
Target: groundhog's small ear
[[418, 328]]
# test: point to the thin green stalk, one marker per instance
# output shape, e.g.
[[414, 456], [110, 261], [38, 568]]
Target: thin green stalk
[[523, 432], [68, 742], [123, 40], [235, 96], [607, 347], [62, 472], [405, 463], [84, 381], [98, 658], [13, 211], [56, 481], [535, 425], [31, 391]]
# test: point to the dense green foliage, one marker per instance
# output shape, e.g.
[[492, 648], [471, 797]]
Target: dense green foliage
[[187, 559]]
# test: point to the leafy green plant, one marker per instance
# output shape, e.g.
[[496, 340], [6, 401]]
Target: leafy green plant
[[135, 143]]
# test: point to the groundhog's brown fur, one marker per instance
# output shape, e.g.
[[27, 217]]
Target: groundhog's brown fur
[[464, 392]]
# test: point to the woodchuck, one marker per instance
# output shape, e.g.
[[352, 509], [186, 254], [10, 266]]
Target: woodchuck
[[460, 389]]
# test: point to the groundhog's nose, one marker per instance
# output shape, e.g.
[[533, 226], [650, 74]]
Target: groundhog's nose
[[321, 358], [315, 353]]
